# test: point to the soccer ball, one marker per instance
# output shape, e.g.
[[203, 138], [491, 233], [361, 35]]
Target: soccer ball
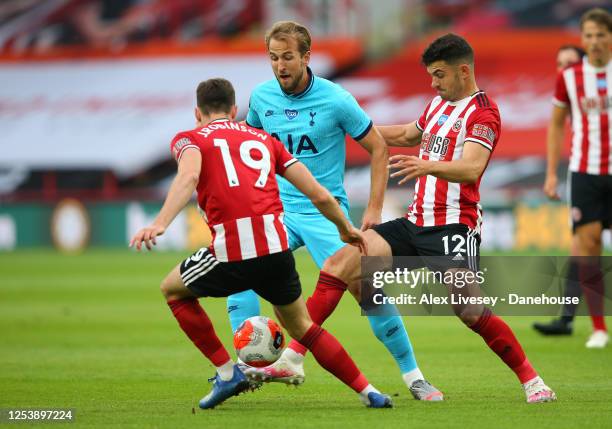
[[259, 341]]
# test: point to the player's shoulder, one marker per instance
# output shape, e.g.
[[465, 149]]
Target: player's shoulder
[[570, 69], [322, 85], [575, 67], [486, 108], [191, 135], [484, 103]]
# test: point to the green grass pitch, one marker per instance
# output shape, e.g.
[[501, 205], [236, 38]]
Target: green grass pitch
[[92, 333]]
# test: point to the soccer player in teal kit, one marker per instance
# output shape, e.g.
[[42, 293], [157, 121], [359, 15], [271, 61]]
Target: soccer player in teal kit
[[312, 116]]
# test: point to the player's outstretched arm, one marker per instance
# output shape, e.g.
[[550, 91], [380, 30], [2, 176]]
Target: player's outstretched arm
[[406, 135], [379, 155], [179, 194], [467, 169], [301, 178], [554, 142]]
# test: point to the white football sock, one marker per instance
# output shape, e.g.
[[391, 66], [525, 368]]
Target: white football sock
[[412, 376], [293, 356], [226, 371], [534, 380], [363, 395]]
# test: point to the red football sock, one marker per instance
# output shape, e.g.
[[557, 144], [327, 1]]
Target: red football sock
[[500, 338], [331, 355], [591, 280], [195, 323], [322, 303]]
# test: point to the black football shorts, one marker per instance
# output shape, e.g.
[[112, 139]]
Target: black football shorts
[[590, 199], [438, 247], [273, 277]]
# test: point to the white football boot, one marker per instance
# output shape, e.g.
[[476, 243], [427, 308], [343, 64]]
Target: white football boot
[[598, 340], [536, 391], [282, 371]]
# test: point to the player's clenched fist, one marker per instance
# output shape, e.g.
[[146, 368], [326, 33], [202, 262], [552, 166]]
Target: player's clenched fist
[[147, 235]]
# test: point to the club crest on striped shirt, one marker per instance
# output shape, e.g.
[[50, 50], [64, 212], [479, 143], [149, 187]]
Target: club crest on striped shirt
[[457, 125], [442, 119]]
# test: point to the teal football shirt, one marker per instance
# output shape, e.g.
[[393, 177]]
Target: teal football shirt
[[312, 125]]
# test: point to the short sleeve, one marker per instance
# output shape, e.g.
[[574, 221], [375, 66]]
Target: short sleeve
[[283, 158], [421, 123], [180, 143], [252, 118], [354, 121], [561, 97], [483, 127]]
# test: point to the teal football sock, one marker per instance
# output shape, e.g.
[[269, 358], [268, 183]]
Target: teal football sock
[[241, 306], [391, 332]]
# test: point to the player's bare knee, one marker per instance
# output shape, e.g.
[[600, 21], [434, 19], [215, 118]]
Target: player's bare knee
[[165, 287], [333, 264], [172, 287], [469, 319], [340, 264], [468, 314], [298, 327], [591, 245], [354, 288]]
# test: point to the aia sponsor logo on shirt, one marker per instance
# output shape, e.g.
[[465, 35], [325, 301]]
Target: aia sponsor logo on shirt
[[291, 114], [595, 104], [434, 144], [485, 132]]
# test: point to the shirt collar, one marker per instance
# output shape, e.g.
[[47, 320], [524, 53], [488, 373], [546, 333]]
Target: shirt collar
[[588, 66], [306, 90]]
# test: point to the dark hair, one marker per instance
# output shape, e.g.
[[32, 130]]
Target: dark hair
[[281, 30], [599, 16], [574, 48], [215, 96], [450, 48]]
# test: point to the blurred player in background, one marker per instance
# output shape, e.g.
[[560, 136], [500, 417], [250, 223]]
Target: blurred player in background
[[584, 90], [457, 133], [567, 55], [312, 116], [233, 168]]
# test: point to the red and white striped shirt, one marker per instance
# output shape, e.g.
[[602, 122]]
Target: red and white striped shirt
[[586, 90], [446, 126], [237, 190]]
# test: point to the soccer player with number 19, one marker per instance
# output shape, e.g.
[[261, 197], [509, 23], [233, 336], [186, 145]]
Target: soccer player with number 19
[[233, 167]]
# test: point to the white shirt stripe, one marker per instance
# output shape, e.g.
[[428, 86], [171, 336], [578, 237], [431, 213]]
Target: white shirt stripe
[[219, 244], [570, 85], [274, 243], [594, 131], [246, 238]]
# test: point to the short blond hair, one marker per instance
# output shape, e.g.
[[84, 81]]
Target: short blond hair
[[284, 29], [599, 16]]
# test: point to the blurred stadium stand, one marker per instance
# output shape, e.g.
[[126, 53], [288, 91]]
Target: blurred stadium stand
[[93, 90]]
